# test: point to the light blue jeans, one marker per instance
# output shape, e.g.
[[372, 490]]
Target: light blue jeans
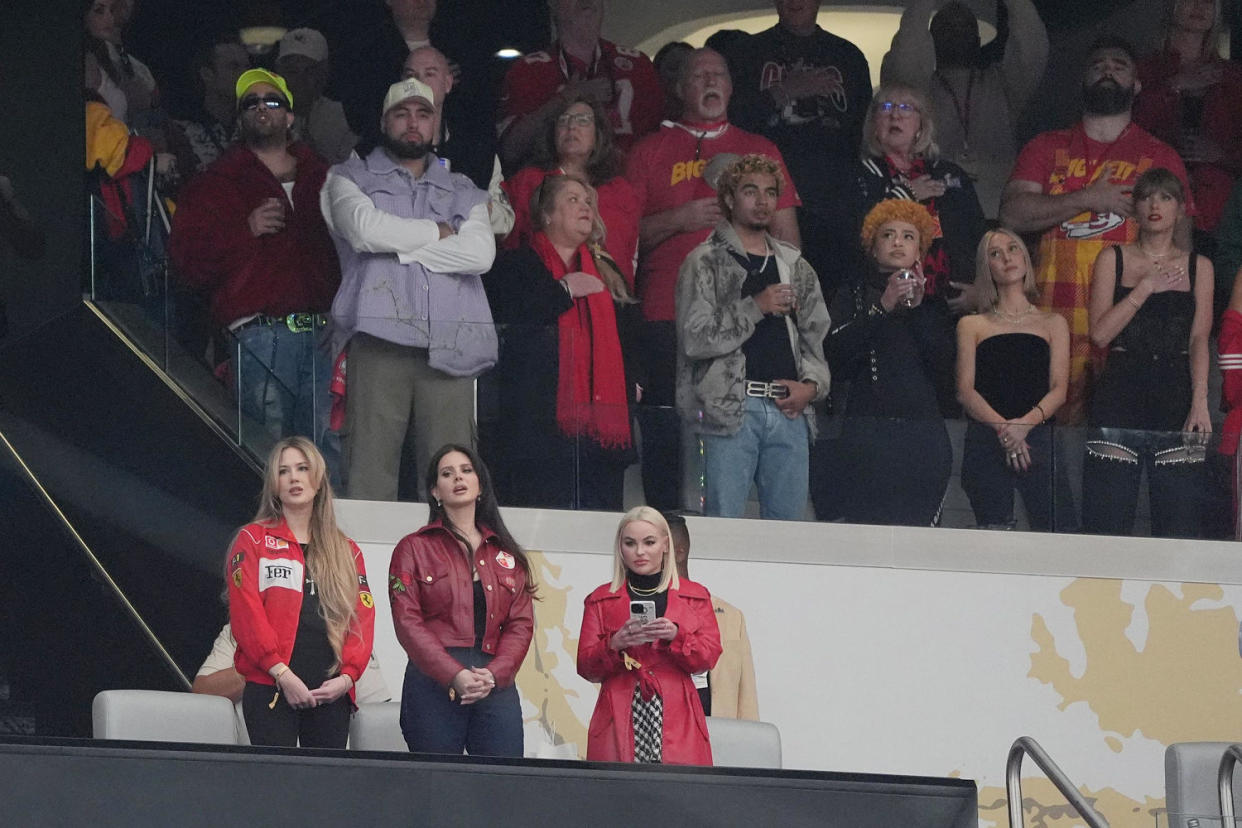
[[771, 450], [283, 382]]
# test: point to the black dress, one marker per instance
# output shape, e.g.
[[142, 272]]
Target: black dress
[[533, 463], [1137, 414], [891, 464], [1011, 374]]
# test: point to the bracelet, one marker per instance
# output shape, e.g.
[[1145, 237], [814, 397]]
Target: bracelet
[[1130, 299], [1043, 416], [876, 310], [284, 669], [350, 678]]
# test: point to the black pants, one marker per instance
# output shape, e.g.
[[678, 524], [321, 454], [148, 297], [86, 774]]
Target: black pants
[[1112, 472], [657, 417], [326, 726], [990, 483]]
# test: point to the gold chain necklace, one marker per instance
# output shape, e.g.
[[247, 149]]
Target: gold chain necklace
[[638, 591], [1014, 318]]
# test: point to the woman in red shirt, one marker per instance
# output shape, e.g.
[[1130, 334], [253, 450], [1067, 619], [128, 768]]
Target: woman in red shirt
[[579, 142], [300, 606]]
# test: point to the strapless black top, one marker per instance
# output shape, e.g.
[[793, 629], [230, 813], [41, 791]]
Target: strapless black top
[[1011, 372]]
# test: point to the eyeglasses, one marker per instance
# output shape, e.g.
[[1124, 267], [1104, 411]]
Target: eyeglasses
[[580, 119], [904, 108], [253, 102]]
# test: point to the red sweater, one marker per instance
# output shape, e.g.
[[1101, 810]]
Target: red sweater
[[266, 571], [212, 248]]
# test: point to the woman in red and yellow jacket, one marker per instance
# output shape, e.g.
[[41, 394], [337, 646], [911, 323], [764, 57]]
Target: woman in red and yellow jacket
[[461, 590], [648, 709], [300, 606]]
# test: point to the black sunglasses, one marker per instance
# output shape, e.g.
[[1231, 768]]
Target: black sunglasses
[[252, 102]]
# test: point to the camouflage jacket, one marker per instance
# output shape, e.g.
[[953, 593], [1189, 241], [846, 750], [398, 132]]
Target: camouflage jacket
[[713, 321]]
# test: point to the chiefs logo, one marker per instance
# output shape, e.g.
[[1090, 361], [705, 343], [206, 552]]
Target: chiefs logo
[[1095, 224]]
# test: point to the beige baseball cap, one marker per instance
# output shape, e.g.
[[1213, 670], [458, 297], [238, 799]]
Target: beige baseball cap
[[405, 90]]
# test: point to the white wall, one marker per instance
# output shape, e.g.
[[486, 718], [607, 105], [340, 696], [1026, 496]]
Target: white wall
[[917, 651]]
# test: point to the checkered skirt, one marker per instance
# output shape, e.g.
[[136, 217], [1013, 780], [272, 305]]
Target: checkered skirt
[[648, 721]]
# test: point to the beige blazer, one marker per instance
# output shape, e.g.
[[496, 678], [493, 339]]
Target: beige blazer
[[733, 677]]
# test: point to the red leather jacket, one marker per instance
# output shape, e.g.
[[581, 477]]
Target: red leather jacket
[[293, 271], [666, 667], [431, 587], [266, 571]]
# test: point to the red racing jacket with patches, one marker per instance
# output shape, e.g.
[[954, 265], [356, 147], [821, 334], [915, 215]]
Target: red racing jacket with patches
[[266, 571], [431, 588]]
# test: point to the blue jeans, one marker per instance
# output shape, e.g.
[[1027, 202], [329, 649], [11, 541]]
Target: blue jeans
[[283, 382], [771, 450], [433, 724]]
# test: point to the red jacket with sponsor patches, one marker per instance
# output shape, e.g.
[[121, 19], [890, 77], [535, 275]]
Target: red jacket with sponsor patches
[[265, 575], [666, 667], [431, 588]]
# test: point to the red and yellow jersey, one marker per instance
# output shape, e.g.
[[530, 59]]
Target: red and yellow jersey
[[666, 170], [1065, 161]]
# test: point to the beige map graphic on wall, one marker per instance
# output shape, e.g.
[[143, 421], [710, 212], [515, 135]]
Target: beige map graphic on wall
[[1163, 688]]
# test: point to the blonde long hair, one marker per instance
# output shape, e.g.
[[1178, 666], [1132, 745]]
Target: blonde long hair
[[986, 294], [329, 557], [668, 573]]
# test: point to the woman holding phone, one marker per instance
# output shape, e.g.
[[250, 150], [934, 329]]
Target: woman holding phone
[[644, 636], [461, 590]]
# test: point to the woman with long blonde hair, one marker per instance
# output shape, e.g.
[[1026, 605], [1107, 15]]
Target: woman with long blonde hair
[[1012, 372], [300, 607], [644, 635]]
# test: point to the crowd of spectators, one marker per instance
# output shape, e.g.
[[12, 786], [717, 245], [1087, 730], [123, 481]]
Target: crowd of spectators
[[657, 226]]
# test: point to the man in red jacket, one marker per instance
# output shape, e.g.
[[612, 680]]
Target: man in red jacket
[[248, 233]]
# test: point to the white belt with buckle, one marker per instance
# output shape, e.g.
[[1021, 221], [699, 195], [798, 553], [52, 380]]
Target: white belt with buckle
[[767, 390]]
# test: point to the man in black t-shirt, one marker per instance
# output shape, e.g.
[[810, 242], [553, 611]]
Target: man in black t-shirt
[[751, 322], [807, 91]]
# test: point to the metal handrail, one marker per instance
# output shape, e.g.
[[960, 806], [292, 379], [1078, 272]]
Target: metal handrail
[[1224, 782], [1025, 745]]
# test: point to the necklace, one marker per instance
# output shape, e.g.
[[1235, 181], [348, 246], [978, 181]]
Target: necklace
[[1014, 318], [1159, 262], [638, 591]]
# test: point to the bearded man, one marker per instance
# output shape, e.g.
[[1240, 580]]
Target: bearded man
[[1074, 186], [413, 240]]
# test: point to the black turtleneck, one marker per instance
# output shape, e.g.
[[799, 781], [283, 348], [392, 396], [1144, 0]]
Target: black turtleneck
[[646, 583]]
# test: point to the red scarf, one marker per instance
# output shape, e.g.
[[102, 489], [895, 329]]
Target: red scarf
[[590, 386]]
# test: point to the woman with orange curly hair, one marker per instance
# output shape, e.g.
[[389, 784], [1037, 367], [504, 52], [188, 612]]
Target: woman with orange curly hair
[[891, 465]]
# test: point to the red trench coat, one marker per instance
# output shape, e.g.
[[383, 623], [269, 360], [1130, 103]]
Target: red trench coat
[[666, 668]]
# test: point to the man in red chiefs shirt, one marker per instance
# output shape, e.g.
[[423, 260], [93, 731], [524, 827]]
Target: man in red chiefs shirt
[[679, 210], [578, 62]]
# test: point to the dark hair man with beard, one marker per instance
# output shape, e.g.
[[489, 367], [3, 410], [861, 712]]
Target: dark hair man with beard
[[1074, 187], [248, 233], [413, 240]]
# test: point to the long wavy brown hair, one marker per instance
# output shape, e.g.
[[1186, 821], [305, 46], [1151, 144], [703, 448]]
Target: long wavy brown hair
[[329, 557]]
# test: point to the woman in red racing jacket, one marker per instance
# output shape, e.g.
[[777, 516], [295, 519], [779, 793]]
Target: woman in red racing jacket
[[648, 709], [461, 590], [300, 607]]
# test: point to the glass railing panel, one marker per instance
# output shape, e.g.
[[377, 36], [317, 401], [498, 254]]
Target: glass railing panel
[[269, 378]]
